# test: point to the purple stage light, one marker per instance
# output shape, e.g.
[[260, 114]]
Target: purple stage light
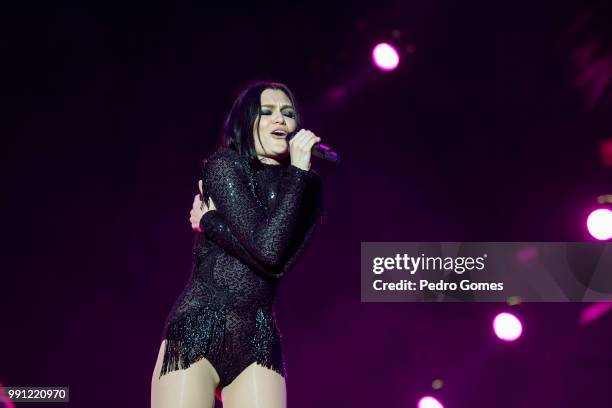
[[507, 327], [594, 311], [599, 224], [5, 402], [429, 402], [385, 57], [605, 151]]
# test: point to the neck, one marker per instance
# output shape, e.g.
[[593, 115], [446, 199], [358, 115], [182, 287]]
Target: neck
[[267, 160]]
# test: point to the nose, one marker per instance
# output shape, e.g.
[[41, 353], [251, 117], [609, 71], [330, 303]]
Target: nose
[[279, 117]]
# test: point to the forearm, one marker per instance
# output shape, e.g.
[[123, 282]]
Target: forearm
[[272, 234], [216, 229], [264, 235]]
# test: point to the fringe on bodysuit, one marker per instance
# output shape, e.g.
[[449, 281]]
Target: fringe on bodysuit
[[192, 337], [265, 342]]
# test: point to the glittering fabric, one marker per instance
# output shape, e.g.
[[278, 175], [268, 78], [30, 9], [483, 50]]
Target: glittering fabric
[[264, 218]]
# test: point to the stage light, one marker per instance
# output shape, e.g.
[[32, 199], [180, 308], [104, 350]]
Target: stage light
[[437, 384], [599, 224], [605, 152], [594, 311], [5, 402], [507, 327], [385, 57], [429, 402]]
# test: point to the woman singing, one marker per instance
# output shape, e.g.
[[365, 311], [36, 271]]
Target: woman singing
[[260, 205]]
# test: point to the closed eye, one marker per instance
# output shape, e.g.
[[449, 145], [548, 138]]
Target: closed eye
[[289, 114]]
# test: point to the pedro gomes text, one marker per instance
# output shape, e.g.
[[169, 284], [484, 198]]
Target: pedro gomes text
[[413, 264]]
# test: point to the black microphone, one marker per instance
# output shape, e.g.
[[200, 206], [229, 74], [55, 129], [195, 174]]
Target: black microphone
[[321, 151], [325, 153]]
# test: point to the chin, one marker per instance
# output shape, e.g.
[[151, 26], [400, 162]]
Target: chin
[[279, 152]]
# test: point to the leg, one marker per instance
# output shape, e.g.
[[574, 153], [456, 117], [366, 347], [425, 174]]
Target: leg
[[256, 387], [193, 387]]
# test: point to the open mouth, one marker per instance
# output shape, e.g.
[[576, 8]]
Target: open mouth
[[279, 134]]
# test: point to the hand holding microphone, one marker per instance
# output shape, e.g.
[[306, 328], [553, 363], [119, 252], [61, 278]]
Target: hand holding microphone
[[303, 144], [300, 148]]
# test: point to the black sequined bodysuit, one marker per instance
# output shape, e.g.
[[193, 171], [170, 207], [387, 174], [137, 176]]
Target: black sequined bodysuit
[[264, 217]]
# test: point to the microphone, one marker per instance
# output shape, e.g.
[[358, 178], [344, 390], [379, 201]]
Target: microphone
[[325, 153], [321, 151]]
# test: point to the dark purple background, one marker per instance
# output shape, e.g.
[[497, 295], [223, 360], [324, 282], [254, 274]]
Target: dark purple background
[[485, 133]]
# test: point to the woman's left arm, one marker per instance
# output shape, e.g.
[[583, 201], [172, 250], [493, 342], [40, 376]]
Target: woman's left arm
[[216, 229]]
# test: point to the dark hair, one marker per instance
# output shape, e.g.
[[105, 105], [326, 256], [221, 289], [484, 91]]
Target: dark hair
[[237, 131]]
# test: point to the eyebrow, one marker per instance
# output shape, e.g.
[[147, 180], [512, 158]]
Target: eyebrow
[[282, 107]]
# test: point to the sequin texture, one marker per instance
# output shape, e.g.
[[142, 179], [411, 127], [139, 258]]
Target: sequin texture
[[265, 216]]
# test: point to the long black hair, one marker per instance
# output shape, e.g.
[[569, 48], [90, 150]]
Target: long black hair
[[237, 131]]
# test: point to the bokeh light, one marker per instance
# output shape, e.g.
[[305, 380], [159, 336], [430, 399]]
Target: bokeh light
[[507, 327], [429, 402], [599, 224], [385, 57]]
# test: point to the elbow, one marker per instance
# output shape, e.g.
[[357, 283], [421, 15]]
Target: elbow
[[273, 261]]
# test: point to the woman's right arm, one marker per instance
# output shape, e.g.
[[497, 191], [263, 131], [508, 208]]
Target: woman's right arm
[[264, 236]]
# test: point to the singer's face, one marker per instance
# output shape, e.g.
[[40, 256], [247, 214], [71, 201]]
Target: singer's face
[[276, 121]]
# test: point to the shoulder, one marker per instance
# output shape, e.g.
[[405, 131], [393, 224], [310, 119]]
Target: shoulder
[[226, 155], [224, 160]]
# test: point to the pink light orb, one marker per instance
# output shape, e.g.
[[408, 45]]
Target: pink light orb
[[385, 57], [599, 224], [507, 327], [429, 402], [594, 311]]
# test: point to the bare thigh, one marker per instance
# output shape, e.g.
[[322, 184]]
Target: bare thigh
[[255, 387], [193, 387]]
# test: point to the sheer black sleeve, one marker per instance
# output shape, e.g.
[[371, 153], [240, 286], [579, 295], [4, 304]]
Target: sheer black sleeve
[[217, 230], [311, 211], [266, 238]]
